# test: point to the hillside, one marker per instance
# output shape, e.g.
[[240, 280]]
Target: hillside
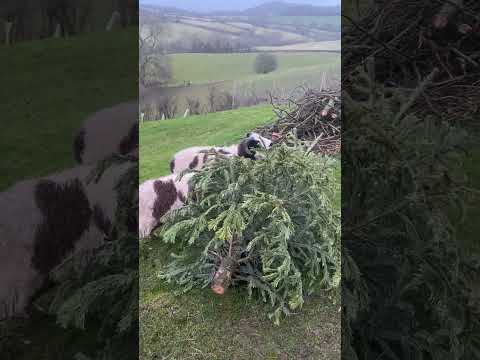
[[270, 24], [280, 8], [273, 8]]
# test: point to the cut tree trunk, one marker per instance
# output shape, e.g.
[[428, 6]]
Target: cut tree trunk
[[223, 276]]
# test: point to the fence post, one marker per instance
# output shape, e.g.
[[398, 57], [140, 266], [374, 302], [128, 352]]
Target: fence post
[[8, 31]]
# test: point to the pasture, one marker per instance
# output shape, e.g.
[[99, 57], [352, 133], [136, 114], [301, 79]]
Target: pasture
[[200, 325], [234, 74], [205, 68]]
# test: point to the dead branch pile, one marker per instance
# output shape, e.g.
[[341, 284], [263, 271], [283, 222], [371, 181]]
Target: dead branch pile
[[442, 34], [314, 117]]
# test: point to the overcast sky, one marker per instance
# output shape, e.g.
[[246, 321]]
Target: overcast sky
[[213, 5]]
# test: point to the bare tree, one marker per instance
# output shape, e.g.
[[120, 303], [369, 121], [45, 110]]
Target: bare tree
[[194, 106], [154, 68]]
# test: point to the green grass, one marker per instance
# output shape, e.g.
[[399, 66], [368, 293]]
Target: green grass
[[207, 68], [160, 140], [200, 325], [50, 87]]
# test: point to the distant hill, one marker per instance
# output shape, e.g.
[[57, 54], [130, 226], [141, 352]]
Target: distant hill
[[279, 8], [274, 8], [162, 10]]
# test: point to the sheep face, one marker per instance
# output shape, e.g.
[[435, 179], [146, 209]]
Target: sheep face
[[256, 140], [251, 142]]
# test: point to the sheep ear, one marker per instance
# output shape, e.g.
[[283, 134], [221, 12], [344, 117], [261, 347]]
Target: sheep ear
[[248, 134]]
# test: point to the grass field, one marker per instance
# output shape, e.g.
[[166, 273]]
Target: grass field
[[199, 325], [50, 87], [334, 45], [233, 73], [205, 68], [160, 140]]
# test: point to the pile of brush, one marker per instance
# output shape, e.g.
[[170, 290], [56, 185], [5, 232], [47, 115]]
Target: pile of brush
[[314, 117], [409, 39]]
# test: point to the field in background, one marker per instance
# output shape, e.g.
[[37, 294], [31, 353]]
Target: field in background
[[213, 51], [333, 45], [234, 74], [201, 325], [207, 68]]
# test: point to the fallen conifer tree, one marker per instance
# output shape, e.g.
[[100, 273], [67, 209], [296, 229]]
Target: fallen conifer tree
[[272, 226]]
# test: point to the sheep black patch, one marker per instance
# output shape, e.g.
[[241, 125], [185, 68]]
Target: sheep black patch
[[172, 166], [166, 196], [205, 157], [244, 151], [101, 221], [66, 212], [194, 163], [129, 142], [79, 146]]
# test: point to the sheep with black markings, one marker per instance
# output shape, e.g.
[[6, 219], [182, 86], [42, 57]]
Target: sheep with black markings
[[196, 157], [109, 131], [157, 197], [48, 220]]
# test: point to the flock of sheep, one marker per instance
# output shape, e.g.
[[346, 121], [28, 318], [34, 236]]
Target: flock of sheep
[[48, 219]]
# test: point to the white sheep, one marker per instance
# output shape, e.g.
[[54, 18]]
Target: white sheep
[[156, 197], [196, 157], [109, 131], [49, 219]]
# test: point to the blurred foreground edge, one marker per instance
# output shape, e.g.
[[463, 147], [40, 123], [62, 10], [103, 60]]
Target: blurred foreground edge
[[410, 284], [68, 203]]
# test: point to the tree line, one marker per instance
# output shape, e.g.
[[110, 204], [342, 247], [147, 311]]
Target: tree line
[[25, 20]]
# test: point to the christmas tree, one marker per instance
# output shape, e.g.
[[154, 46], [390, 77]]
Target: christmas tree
[[271, 225]]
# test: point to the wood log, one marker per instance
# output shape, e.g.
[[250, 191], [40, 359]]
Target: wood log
[[223, 276]]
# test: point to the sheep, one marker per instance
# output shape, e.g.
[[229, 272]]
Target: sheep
[[109, 131], [195, 157], [49, 219], [156, 197]]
